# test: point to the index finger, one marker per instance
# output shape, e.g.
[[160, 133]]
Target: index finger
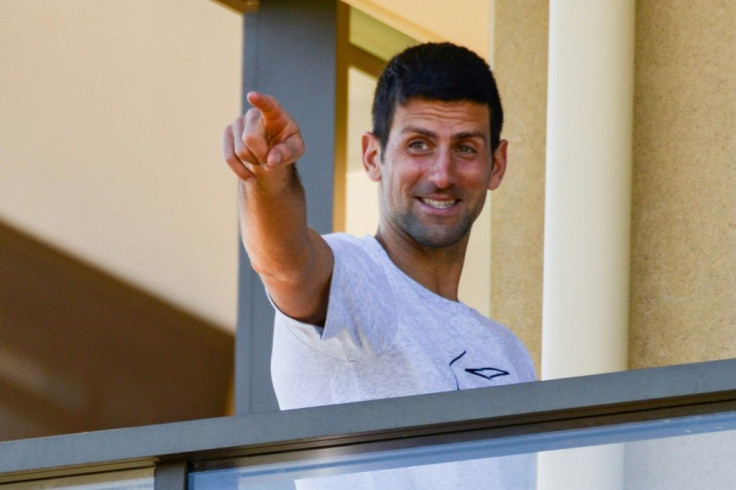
[[270, 109]]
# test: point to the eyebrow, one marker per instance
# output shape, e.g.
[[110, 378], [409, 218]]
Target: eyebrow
[[458, 136], [418, 130], [471, 134]]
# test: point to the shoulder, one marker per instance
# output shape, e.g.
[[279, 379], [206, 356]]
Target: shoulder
[[355, 252], [359, 270], [347, 241]]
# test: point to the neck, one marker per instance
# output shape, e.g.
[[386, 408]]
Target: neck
[[437, 269]]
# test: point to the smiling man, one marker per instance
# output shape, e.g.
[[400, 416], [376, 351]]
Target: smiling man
[[379, 317]]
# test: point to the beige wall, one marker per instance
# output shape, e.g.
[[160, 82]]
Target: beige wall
[[110, 139], [683, 271], [518, 205]]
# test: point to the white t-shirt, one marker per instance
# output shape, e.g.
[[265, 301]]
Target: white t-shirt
[[387, 336]]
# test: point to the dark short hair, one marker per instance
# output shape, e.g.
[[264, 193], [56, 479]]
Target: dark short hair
[[435, 71]]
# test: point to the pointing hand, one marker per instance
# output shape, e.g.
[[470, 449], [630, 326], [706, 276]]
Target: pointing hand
[[266, 136]]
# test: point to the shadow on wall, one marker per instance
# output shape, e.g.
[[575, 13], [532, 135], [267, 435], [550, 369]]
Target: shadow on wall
[[83, 351]]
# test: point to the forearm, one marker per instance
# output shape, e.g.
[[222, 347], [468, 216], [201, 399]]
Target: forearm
[[293, 261], [273, 222]]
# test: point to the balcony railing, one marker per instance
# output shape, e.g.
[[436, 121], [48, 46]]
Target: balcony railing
[[696, 402]]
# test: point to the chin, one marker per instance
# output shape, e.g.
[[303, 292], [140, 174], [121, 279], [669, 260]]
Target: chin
[[434, 235], [440, 238]]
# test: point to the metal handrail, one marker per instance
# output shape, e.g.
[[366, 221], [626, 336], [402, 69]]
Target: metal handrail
[[558, 413]]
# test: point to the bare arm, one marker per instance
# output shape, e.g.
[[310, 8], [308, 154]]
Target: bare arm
[[293, 261]]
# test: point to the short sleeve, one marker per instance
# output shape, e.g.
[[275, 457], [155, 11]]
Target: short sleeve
[[361, 313]]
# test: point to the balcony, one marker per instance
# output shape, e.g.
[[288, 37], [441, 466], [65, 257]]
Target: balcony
[[656, 428]]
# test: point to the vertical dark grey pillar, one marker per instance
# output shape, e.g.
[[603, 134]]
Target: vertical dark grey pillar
[[289, 52], [170, 476]]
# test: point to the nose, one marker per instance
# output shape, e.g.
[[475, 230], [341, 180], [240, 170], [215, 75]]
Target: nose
[[441, 171]]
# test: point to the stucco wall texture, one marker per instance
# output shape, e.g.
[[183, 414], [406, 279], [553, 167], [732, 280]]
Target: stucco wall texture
[[683, 250], [517, 207], [683, 228]]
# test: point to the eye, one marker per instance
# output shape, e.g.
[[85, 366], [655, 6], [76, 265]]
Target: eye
[[418, 145], [468, 149]]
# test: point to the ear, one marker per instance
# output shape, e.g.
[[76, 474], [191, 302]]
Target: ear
[[499, 165], [372, 156]]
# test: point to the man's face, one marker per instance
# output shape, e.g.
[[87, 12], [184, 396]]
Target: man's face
[[435, 170]]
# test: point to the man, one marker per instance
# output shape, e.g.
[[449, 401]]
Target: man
[[378, 317]]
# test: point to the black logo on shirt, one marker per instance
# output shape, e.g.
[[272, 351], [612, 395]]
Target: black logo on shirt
[[488, 373]]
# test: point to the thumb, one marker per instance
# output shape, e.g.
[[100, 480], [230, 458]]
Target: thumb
[[287, 152]]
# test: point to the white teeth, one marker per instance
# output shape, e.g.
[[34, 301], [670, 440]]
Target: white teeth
[[438, 204]]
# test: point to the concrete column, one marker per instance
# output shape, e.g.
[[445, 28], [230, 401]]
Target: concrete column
[[588, 187], [587, 213]]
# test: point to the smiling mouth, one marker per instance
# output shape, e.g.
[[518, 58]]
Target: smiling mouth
[[437, 203]]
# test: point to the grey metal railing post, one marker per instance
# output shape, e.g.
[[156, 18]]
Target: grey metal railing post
[[289, 52]]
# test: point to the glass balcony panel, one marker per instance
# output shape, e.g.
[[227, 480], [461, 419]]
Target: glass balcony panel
[[693, 453], [137, 479]]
